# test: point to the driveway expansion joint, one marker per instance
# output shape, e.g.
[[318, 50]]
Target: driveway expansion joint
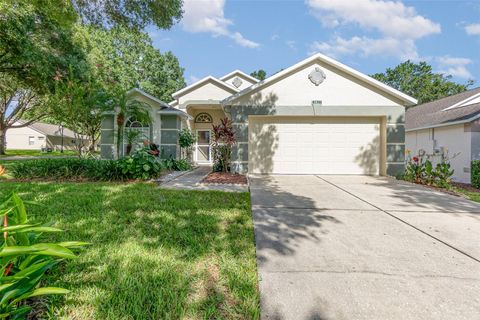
[[402, 221], [367, 272]]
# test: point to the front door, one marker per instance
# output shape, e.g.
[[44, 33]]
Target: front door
[[203, 152]]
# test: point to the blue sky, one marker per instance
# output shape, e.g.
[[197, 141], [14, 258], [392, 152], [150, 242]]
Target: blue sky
[[217, 36]]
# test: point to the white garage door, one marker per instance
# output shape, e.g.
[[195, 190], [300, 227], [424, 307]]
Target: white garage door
[[314, 145]]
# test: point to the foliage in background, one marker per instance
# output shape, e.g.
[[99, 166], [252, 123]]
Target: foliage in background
[[420, 169], [259, 74], [34, 48], [135, 14], [78, 104], [130, 60], [24, 260], [223, 141], [475, 174], [419, 81]]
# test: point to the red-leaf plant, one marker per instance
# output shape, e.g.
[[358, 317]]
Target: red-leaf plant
[[223, 141]]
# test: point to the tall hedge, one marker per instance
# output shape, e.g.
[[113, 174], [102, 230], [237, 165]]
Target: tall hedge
[[475, 174]]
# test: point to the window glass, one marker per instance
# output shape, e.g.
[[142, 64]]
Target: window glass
[[31, 141]]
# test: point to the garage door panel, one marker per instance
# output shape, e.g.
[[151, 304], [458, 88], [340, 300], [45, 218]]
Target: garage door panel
[[313, 145]]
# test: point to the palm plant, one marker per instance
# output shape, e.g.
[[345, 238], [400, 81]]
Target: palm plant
[[125, 108], [132, 138]]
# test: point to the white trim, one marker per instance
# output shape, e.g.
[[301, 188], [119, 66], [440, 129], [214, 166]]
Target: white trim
[[243, 74], [204, 145], [379, 85], [446, 124], [170, 129], [143, 93], [463, 103], [202, 81], [240, 162], [168, 144]]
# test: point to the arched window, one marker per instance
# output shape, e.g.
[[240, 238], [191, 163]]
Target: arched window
[[203, 118], [143, 129]]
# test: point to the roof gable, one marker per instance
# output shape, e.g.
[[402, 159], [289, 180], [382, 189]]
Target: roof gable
[[240, 74], [335, 67], [203, 82]]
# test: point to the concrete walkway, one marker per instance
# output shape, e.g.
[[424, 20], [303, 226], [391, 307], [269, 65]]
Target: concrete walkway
[[191, 181], [349, 247]]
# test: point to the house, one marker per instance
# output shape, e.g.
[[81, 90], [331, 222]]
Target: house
[[42, 136], [449, 128], [318, 116]]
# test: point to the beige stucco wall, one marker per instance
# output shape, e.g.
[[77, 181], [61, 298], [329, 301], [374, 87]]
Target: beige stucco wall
[[456, 139], [338, 89], [17, 138], [208, 91], [245, 82]]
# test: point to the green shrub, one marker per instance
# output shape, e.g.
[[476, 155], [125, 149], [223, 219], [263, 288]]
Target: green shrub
[[24, 261], [69, 169], [475, 174], [141, 165], [176, 165]]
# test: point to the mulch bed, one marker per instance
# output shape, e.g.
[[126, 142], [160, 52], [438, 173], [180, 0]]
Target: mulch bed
[[465, 186], [224, 178]]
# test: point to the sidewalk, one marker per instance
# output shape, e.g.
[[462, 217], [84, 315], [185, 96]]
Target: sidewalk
[[191, 181]]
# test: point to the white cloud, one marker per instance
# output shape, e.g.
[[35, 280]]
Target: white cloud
[[291, 44], [399, 27], [192, 79], [473, 29], [208, 16], [455, 66], [275, 37], [404, 49]]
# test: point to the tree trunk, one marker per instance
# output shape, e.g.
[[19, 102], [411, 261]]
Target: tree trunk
[[93, 140], [3, 137]]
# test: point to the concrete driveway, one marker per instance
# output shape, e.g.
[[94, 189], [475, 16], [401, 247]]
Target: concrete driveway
[[354, 247]]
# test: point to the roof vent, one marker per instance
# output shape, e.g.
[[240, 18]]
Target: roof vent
[[237, 82]]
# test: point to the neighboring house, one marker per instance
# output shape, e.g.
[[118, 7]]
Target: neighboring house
[[41, 136], [448, 127], [315, 117]]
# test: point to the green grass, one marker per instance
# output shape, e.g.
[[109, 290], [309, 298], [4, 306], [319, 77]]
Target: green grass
[[154, 254], [471, 195], [36, 153]]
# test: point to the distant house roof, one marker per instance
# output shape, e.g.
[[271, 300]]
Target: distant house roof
[[51, 129], [440, 112]]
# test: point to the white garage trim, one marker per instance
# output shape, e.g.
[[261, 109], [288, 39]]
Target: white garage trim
[[316, 145]]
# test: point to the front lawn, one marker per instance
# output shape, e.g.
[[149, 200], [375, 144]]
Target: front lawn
[[36, 153], [154, 254]]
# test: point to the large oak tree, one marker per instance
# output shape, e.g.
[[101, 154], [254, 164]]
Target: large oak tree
[[419, 81]]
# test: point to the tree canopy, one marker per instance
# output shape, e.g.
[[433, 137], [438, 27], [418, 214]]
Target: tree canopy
[[129, 58], [135, 14], [259, 74], [419, 81]]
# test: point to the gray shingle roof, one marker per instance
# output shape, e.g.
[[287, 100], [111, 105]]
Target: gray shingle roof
[[51, 129], [431, 114]]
